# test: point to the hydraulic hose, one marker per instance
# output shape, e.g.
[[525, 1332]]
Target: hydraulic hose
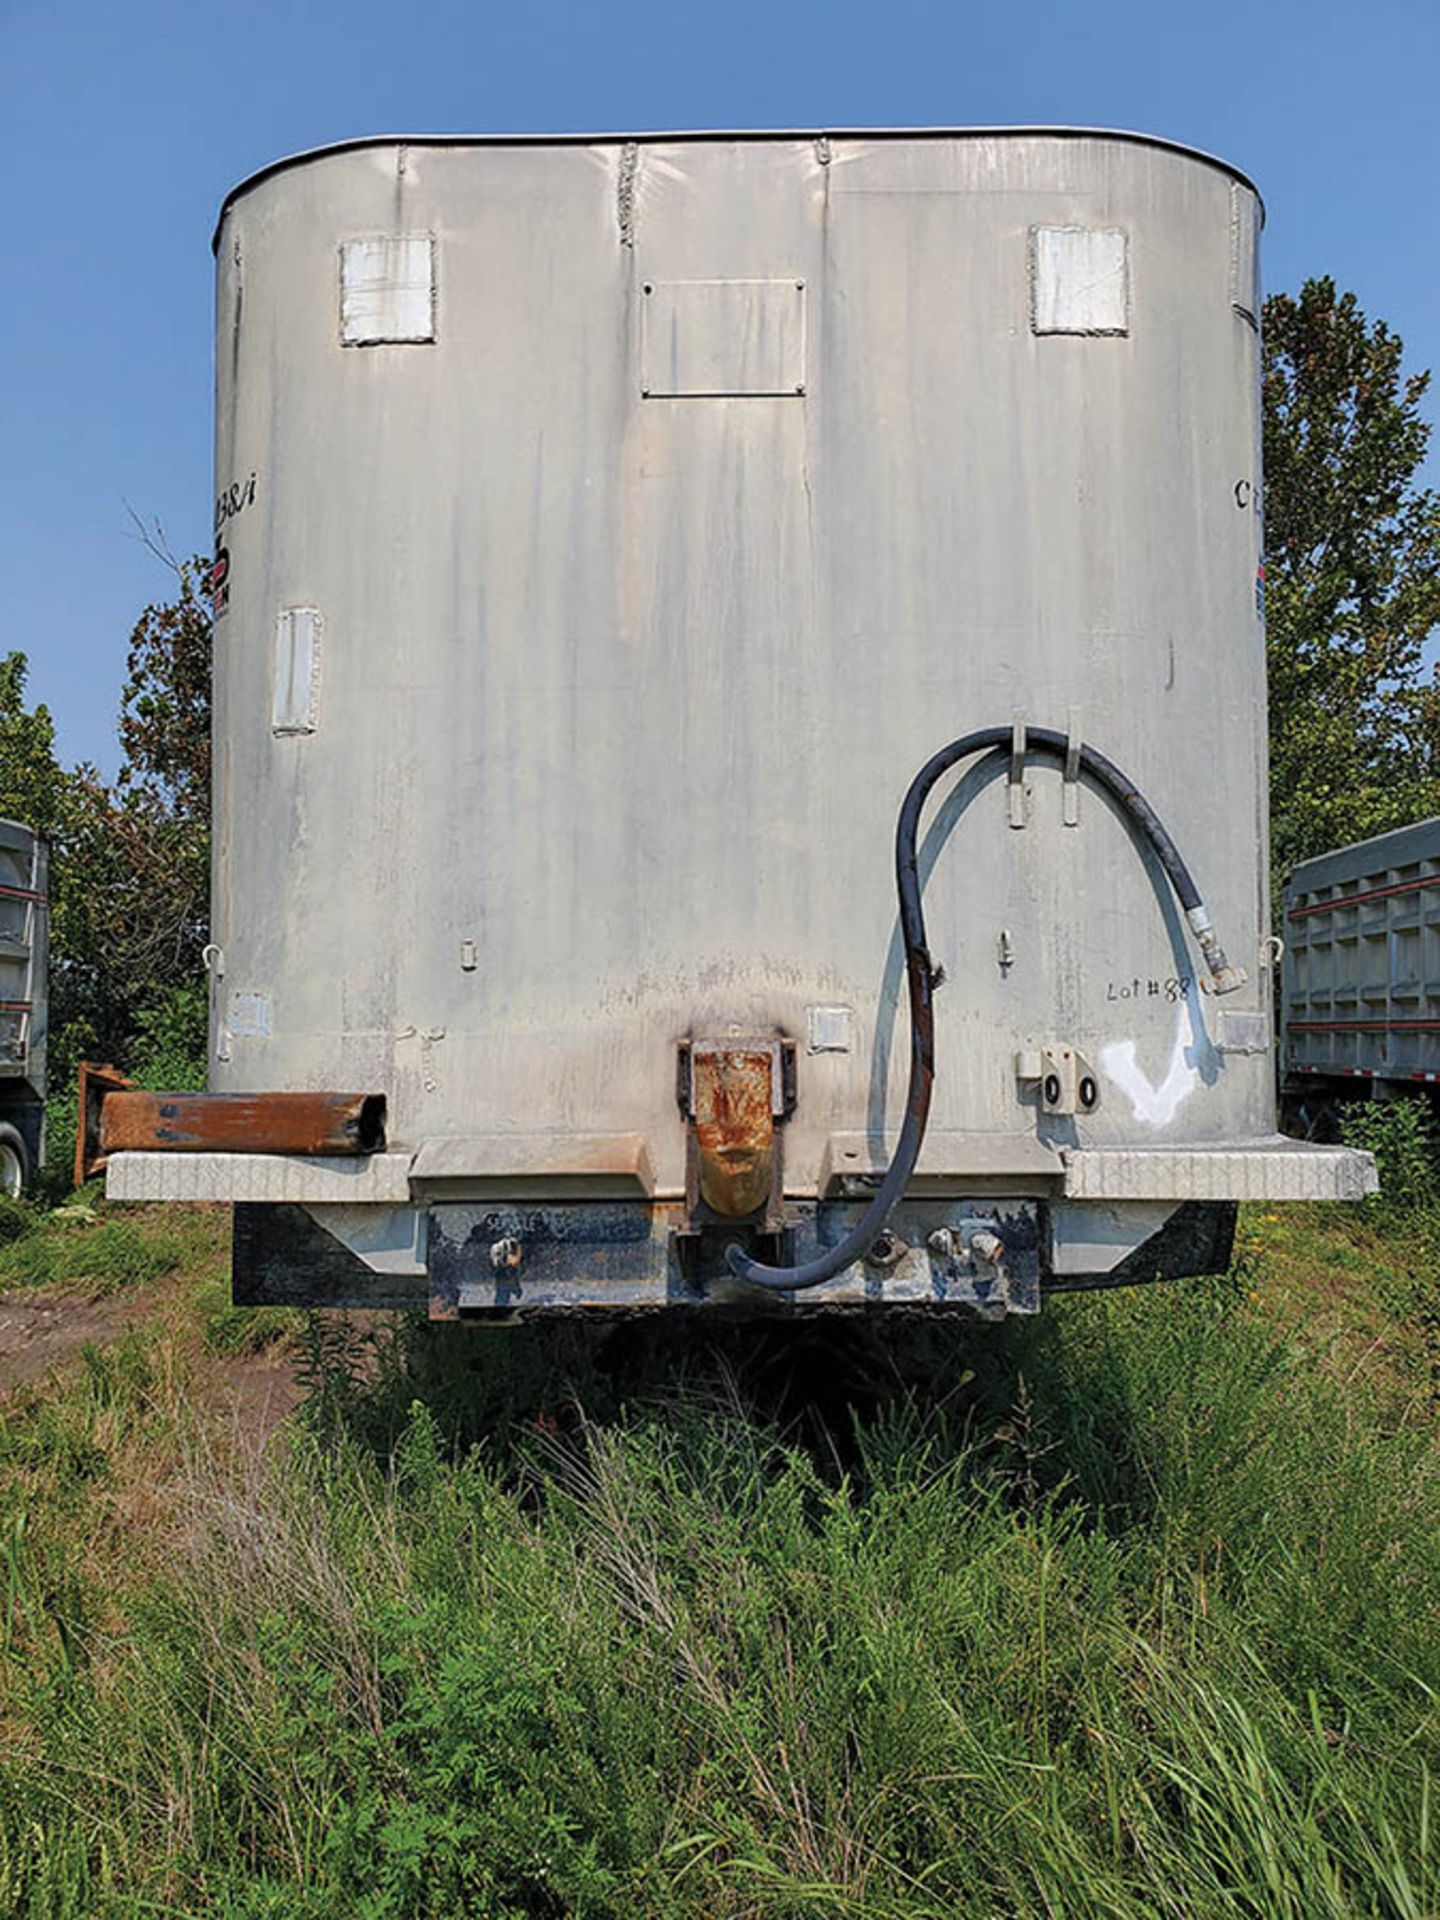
[[922, 978]]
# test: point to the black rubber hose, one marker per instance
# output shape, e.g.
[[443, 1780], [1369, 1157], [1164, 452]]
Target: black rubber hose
[[921, 979]]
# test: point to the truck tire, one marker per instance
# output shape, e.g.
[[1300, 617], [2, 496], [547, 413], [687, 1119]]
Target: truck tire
[[14, 1163]]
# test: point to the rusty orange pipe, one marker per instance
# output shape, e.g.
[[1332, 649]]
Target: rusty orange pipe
[[119, 1118]]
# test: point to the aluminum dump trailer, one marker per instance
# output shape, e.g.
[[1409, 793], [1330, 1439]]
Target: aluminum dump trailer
[[607, 529], [24, 927], [1360, 980]]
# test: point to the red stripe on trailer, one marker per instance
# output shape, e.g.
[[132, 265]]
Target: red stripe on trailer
[[17, 1006], [22, 893], [1359, 899], [1363, 1026]]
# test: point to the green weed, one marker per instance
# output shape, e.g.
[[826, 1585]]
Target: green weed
[[103, 1255], [105, 1249], [230, 1330], [1128, 1613]]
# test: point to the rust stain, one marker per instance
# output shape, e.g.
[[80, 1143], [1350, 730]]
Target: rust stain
[[119, 1118], [96, 1083], [734, 1128]]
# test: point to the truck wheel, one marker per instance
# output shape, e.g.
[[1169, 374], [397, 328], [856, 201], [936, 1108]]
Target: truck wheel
[[14, 1163]]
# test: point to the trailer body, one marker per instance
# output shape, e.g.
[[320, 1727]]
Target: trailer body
[[606, 530], [24, 1002], [1360, 978]]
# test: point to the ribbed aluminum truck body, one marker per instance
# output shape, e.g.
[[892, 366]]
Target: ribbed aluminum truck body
[[607, 529], [1360, 980], [24, 1024]]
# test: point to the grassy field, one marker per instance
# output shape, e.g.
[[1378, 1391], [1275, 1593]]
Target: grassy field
[[1130, 1612]]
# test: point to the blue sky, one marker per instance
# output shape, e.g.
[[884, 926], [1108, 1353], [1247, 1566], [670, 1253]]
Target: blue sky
[[121, 128]]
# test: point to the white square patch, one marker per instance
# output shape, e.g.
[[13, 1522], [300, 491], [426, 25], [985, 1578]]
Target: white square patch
[[387, 289], [1079, 280]]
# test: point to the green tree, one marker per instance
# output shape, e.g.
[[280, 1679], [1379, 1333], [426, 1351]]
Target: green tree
[[163, 815], [33, 787], [164, 723], [129, 862], [1352, 553]]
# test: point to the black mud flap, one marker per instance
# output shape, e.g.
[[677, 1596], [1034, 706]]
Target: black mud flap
[[281, 1257], [1197, 1239]]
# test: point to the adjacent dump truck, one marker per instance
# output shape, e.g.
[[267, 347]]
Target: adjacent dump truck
[[618, 542], [1360, 980], [24, 929]]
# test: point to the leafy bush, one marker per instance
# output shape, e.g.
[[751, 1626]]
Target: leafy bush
[[169, 1056], [1401, 1135], [16, 1220], [170, 1046]]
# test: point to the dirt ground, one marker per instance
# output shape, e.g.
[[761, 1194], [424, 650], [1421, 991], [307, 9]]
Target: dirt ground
[[41, 1329]]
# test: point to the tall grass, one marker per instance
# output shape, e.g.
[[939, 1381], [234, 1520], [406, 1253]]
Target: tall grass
[[98, 1249], [1132, 1613]]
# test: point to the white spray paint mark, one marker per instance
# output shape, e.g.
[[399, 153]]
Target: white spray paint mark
[[1153, 1106]]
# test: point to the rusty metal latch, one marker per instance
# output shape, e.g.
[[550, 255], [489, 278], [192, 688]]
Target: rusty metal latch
[[116, 1116], [735, 1093]]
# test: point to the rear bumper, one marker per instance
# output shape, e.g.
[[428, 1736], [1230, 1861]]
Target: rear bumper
[[375, 1231], [1272, 1168], [604, 1258]]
